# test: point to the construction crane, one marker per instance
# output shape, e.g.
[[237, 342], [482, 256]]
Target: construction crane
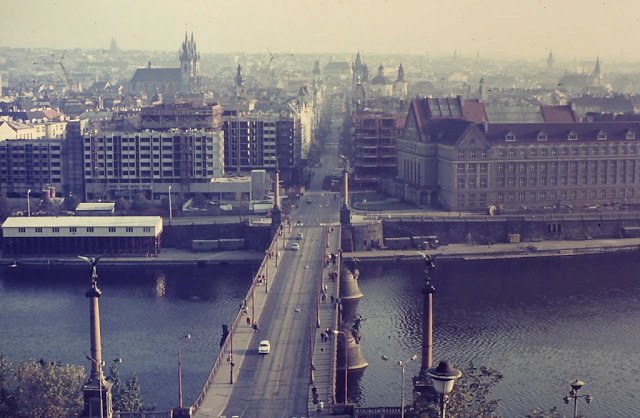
[[272, 57], [70, 83]]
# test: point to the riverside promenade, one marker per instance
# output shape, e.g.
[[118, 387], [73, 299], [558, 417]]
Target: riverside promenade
[[168, 256], [504, 250]]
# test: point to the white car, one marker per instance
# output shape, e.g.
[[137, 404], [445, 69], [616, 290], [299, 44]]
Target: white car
[[295, 246], [264, 347]]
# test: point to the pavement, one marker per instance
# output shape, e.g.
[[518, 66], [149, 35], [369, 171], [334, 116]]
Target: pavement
[[171, 256], [506, 250], [324, 350], [237, 344]]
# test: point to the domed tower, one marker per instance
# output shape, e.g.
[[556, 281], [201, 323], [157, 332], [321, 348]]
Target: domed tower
[[400, 87]]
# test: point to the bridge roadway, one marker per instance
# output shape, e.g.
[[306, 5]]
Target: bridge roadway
[[278, 384]]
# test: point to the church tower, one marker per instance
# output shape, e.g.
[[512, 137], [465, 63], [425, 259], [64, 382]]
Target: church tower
[[239, 81], [597, 75], [189, 62]]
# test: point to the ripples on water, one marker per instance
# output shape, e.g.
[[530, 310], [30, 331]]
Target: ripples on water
[[541, 322], [143, 311]]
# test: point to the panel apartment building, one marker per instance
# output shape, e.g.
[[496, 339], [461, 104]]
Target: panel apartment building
[[175, 146]]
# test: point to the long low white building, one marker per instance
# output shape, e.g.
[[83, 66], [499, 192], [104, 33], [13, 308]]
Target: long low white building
[[42, 235]]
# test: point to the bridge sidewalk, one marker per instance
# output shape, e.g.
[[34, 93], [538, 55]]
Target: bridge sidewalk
[[219, 391], [324, 350]]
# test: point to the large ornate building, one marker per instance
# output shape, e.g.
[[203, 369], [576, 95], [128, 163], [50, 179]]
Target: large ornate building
[[449, 161]]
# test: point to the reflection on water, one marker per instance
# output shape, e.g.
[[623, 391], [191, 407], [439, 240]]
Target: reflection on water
[[542, 322], [143, 311]]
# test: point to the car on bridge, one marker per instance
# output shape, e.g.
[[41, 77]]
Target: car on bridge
[[295, 246], [264, 347]]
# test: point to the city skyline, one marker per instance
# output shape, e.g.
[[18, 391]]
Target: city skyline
[[529, 29]]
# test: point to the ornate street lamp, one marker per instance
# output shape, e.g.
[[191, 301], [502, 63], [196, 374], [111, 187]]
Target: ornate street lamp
[[444, 376], [186, 337], [573, 395]]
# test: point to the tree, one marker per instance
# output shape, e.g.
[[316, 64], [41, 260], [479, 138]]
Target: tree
[[40, 389], [5, 206], [140, 202], [7, 397], [469, 397], [71, 202], [125, 395], [122, 205], [199, 201], [470, 394]]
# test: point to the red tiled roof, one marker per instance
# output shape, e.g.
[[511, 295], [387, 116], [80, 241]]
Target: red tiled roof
[[558, 114], [474, 111]]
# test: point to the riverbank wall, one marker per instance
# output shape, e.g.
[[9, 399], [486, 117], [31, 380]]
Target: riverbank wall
[[256, 237], [410, 231]]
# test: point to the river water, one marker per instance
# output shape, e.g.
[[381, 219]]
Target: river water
[[541, 322]]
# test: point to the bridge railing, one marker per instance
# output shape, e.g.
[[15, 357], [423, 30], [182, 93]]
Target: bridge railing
[[222, 355], [334, 359]]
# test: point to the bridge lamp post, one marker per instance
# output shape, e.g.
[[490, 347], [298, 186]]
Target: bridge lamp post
[[231, 357], [100, 365], [444, 376], [186, 337], [170, 207], [573, 395], [346, 362], [28, 203], [402, 364]]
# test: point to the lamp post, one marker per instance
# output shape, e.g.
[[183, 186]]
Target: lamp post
[[231, 357], [28, 203], [444, 376], [187, 337], [346, 362], [402, 364], [170, 207], [100, 366], [573, 395]]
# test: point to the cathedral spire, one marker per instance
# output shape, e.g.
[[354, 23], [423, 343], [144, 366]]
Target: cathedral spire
[[400, 73]]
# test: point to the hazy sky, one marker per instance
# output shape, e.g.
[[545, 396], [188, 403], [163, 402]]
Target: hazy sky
[[517, 28]]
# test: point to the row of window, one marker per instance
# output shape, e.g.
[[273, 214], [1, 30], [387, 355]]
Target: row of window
[[74, 229], [472, 168], [571, 136], [472, 182], [564, 180], [472, 154], [586, 150], [574, 167], [553, 195]]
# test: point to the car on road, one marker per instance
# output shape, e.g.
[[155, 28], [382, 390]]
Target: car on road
[[295, 246], [309, 201], [299, 236], [264, 347]]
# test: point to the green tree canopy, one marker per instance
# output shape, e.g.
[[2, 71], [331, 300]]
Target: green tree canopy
[[5, 206], [40, 389]]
